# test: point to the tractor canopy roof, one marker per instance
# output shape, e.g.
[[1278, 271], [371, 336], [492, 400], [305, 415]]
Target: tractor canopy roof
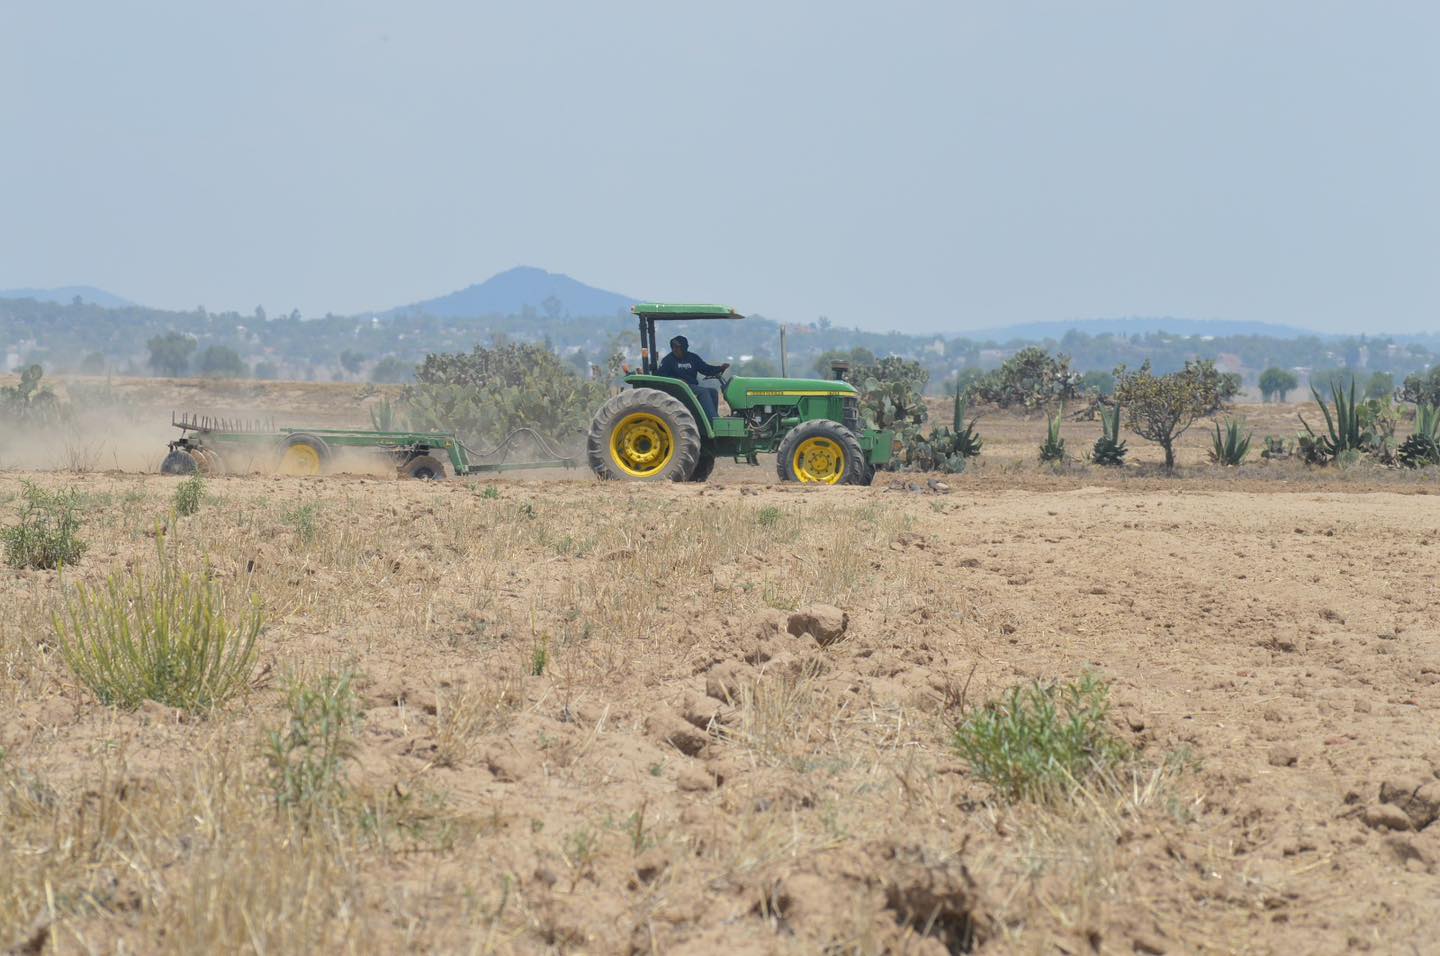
[[684, 310]]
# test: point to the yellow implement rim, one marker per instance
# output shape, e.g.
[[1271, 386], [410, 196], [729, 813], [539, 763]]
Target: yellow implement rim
[[641, 445], [819, 460], [300, 460]]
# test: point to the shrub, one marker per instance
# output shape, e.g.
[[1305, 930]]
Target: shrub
[[485, 394], [189, 495], [1230, 447], [47, 535], [1163, 407], [30, 402], [302, 519], [1040, 741], [891, 394], [1276, 383], [1109, 448], [1423, 446], [166, 637], [1053, 448], [306, 757], [1380, 386], [1422, 388], [1031, 378], [1275, 448]]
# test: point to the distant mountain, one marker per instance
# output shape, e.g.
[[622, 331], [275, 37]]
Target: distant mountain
[[1037, 331], [512, 291], [66, 294]]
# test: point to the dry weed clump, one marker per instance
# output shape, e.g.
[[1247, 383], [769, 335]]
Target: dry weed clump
[[165, 636]]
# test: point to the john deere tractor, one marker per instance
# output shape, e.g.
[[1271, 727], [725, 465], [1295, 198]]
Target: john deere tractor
[[657, 429]]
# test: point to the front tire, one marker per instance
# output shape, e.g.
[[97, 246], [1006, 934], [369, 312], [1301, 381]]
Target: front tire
[[822, 452], [643, 434]]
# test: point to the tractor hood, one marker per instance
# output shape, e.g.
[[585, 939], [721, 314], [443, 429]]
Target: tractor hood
[[757, 388]]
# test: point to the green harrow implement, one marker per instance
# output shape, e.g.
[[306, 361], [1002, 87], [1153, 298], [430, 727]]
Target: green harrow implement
[[215, 445]]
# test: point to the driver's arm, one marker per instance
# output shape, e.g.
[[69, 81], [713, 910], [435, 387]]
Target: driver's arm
[[705, 368]]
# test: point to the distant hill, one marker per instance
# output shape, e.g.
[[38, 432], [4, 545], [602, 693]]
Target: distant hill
[[1038, 331], [512, 291], [66, 294]]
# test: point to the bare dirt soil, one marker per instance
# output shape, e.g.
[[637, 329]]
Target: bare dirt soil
[[624, 719]]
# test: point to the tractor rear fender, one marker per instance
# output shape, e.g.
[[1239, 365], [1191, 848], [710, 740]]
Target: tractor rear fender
[[681, 391]]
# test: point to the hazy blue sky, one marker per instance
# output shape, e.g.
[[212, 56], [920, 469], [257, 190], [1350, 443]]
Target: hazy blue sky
[[914, 165]]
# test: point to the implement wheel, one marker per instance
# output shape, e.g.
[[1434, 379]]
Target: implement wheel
[[209, 461], [822, 452], [644, 435], [179, 462], [424, 468], [302, 454]]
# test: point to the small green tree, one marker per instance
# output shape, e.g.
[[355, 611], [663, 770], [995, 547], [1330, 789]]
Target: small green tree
[[351, 361], [1161, 407], [1031, 378], [1380, 386], [170, 354], [1422, 388], [221, 361], [391, 370], [857, 357], [1276, 383]]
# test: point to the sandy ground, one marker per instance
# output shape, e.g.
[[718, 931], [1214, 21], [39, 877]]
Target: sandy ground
[[583, 723]]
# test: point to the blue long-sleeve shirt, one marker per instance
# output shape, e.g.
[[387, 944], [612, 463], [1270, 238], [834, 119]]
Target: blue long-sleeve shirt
[[687, 369]]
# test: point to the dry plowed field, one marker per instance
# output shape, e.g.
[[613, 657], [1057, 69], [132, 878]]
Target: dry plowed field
[[531, 715]]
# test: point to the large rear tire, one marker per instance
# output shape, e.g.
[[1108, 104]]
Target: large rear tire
[[643, 434], [302, 454], [703, 468], [822, 452]]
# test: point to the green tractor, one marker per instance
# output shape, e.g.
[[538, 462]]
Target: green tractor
[[657, 429]]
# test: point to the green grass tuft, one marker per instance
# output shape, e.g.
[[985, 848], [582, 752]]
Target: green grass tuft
[[166, 637], [47, 535], [306, 757], [1040, 741], [189, 495]]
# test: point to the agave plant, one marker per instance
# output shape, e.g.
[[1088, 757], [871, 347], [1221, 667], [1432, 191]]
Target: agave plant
[[1229, 448], [1054, 447], [1109, 447], [382, 416], [946, 449], [1423, 446], [1342, 430]]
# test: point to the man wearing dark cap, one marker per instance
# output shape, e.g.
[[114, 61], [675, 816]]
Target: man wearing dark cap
[[685, 365]]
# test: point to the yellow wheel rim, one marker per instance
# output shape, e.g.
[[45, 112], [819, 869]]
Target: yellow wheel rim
[[819, 460], [300, 460], [641, 445]]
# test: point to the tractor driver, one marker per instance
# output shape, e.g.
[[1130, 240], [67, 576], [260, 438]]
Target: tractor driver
[[685, 365]]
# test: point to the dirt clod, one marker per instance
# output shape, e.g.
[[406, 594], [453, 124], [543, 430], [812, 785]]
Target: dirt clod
[[1386, 816], [824, 622], [1283, 755]]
